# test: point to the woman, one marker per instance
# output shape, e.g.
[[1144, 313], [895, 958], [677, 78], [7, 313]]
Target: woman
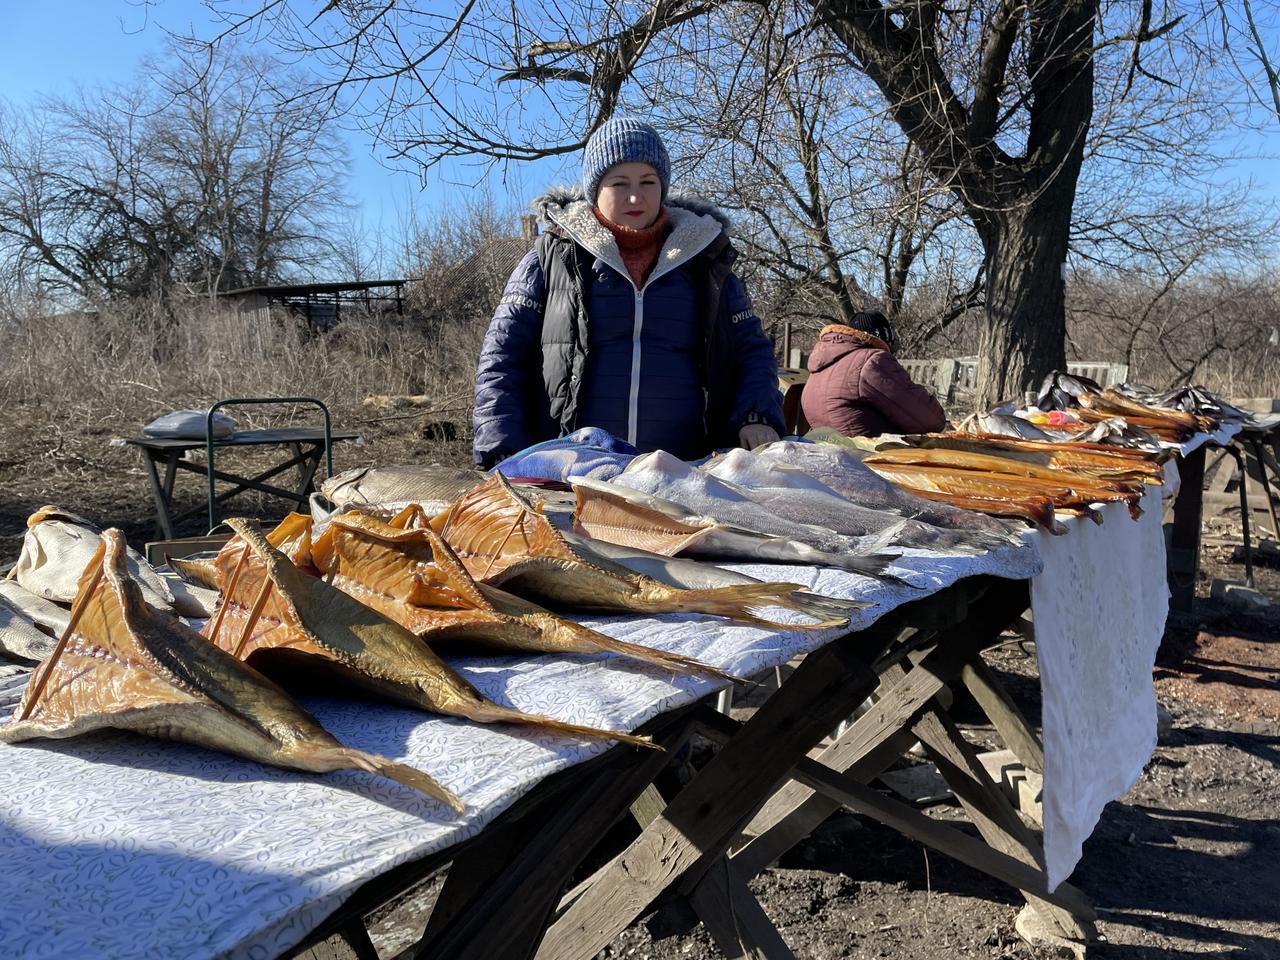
[[856, 386], [627, 317]]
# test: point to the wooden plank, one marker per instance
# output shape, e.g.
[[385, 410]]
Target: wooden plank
[[507, 917], [1004, 714], [730, 912], [734, 917], [873, 741], [350, 943], [999, 823], [1184, 539], [862, 799], [696, 827], [1024, 788]]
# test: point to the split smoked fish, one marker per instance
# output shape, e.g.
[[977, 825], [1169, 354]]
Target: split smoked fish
[[272, 610], [414, 578], [124, 664], [505, 541]]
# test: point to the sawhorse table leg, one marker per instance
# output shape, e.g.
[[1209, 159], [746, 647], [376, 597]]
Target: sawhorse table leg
[[695, 829]]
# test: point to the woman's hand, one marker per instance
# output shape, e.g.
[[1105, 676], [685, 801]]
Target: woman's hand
[[756, 434]]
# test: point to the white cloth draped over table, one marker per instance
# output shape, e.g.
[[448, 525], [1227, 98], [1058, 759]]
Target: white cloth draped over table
[[122, 846]]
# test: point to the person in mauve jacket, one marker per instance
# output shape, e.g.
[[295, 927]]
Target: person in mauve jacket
[[626, 316], [856, 386]]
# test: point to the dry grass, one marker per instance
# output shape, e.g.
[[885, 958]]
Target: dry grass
[[74, 382]]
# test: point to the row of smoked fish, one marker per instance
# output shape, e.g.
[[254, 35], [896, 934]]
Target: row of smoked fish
[[369, 602], [422, 560]]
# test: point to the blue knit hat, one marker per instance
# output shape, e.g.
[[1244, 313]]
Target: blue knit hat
[[623, 140]]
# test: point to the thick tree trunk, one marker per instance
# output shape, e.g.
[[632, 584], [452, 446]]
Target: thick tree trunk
[[1024, 331]]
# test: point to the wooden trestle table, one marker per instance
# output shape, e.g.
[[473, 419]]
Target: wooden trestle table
[[506, 893]]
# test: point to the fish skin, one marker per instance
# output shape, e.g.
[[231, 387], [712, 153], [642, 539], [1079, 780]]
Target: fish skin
[[413, 577], [967, 460], [505, 541], [974, 484], [792, 494], [407, 483], [661, 475], [846, 474], [131, 666], [58, 545], [20, 638], [306, 616], [1101, 465], [45, 614]]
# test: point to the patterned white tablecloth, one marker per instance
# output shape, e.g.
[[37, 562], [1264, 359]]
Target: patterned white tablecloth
[[117, 846]]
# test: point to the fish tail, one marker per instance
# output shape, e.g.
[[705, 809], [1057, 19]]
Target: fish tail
[[494, 713], [202, 573], [744, 602], [566, 636], [346, 758], [662, 658], [872, 565], [400, 773]]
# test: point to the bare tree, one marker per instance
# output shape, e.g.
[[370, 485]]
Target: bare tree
[[995, 98], [195, 176]]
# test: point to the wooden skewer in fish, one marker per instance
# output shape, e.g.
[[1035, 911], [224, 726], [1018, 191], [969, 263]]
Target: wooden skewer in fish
[[124, 664], [504, 541], [412, 577], [296, 614], [292, 536]]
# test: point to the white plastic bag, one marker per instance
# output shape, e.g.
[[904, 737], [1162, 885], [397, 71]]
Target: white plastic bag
[[189, 425]]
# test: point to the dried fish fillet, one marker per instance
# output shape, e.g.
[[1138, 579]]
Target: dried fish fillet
[[790, 493], [271, 607], [844, 472], [505, 541], [127, 665], [412, 577]]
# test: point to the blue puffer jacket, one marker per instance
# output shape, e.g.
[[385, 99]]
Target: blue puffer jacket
[[679, 365]]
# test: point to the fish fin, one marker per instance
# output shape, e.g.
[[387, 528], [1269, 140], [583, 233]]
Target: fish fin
[[875, 566], [203, 573], [487, 712], [744, 602], [401, 773], [662, 658]]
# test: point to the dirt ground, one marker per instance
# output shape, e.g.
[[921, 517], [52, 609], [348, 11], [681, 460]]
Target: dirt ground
[[1182, 865]]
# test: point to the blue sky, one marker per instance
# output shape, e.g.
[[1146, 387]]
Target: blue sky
[[51, 46]]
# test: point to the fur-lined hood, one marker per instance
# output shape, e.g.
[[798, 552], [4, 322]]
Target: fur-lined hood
[[695, 225]]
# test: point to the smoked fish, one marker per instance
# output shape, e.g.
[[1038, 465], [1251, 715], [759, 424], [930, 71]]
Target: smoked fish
[[125, 664]]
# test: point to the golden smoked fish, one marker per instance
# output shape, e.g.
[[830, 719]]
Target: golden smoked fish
[[967, 483], [1085, 462], [1100, 490], [124, 664], [505, 541], [412, 577], [292, 536], [272, 610]]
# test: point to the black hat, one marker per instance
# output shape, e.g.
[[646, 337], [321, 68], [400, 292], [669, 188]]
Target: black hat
[[877, 324]]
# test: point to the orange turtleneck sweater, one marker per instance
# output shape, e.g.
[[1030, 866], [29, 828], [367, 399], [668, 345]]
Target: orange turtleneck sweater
[[639, 247]]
